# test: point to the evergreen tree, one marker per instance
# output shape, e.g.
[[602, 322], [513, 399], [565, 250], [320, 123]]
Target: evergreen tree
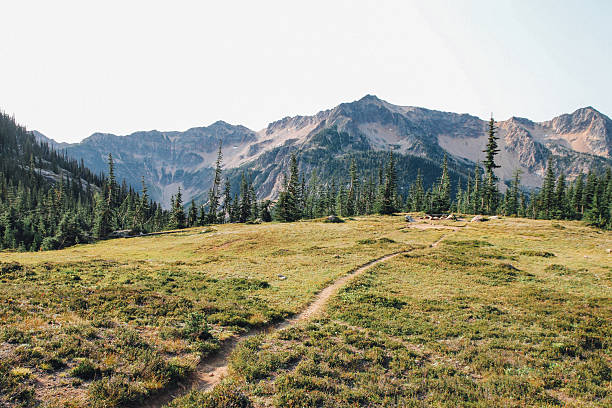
[[245, 200], [177, 218], [351, 199], [289, 200], [215, 191], [101, 226], [442, 193], [388, 191], [548, 191], [490, 193], [192, 217], [227, 201]]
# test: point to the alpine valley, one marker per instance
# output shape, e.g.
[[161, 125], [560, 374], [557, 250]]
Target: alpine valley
[[364, 130]]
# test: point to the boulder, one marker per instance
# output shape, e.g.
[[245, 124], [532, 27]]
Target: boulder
[[409, 218], [479, 218], [333, 218], [451, 217]]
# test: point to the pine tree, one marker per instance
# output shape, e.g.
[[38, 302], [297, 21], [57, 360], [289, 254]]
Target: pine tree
[[442, 194], [215, 190], [561, 207], [477, 194], [288, 206], [388, 192], [101, 226], [112, 184], [177, 218], [245, 200], [490, 193], [548, 191], [192, 217], [512, 207], [577, 196], [351, 198], [227, 201], [418, 193]]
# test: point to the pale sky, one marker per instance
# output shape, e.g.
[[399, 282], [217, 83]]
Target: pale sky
[[71, 68]]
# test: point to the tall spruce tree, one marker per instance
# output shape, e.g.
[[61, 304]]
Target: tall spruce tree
[[177, 218], [351, 198], [389, 189], [491, 193], [214, 195]]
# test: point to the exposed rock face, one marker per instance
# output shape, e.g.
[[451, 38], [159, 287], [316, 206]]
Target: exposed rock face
[[419, 137]]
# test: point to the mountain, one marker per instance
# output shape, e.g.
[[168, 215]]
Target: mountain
[[366, 130]]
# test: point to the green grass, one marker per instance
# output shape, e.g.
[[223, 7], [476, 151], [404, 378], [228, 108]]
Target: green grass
[[474, 322], [116, 322], [487, 318]]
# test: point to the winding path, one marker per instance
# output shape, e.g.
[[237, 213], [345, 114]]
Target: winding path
[[211, 370]]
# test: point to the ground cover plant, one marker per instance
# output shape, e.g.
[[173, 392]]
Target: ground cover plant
[[113, 323], [475, 321]]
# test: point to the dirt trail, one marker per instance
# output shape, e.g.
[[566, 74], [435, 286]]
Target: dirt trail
[[211, 371]]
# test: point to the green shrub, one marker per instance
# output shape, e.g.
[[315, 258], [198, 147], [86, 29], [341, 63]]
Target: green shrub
[[85, 370], [366, 241], [543, 254], [196, 327], [224, 395]]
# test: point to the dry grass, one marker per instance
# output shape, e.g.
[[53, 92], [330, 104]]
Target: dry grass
[[475, 321], [143, 311]]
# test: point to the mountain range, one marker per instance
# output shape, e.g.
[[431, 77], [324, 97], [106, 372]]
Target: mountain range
[[364, 130]]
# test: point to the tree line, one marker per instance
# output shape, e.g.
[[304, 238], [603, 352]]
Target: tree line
[[49, 201]]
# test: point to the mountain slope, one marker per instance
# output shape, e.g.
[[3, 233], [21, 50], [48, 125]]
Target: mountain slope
[[365, 129]]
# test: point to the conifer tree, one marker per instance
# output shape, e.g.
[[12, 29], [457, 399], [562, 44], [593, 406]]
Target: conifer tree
[[548, 191], [227, 201], [192, 217], [177, 218], [389, 189], [351, 198], [215, 191], [101, 226], [490, 193], [245, 200], [289, 199], [442, 194]]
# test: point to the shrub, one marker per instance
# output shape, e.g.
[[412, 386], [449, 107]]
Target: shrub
[[195, 327], [543, 254], [85, 370], [366, 241], [225, 395]]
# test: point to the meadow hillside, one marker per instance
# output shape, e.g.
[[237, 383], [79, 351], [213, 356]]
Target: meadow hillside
[[510, 312]]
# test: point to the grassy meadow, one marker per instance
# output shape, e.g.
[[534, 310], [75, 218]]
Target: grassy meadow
[[112, 323], [510, 312]]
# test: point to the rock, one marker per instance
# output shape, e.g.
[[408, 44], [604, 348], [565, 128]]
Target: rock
[[451, 217], [258, 221], [334, 219], [495, 217], [409, 218], [609, 251], [282, 277], [479, 218]]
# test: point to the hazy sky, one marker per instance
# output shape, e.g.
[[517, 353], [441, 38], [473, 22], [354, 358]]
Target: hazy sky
[[71, 68]]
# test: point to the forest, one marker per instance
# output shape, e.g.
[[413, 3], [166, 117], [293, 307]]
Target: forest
[[50, 201]]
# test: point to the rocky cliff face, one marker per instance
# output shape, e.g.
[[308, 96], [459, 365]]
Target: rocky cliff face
[[366, 129]]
